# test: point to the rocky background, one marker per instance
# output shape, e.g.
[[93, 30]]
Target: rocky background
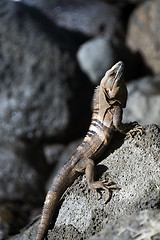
[[52, 55]]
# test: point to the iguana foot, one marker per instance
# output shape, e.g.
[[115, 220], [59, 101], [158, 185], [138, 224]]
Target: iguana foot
[[105, 185], [136, 128]]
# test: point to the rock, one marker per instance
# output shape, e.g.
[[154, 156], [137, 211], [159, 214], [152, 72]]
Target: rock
[[134, 165], [143, 103], [143, 34], [80, 15], [125, 1], [95, 57], [52, 152], [19, 186], [143, 225], [30, 2], [136, 1], [19, 179], [41, 84], [9, 211]]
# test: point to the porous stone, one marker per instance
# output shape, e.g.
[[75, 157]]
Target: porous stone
[[134, 166], [142, 225]]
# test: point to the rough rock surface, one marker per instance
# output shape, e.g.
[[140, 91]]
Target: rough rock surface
[[41, 84], [134, 165], [144, 34], [143, 225], [143, 104]]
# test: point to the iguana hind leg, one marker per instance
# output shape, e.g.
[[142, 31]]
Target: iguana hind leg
[[87, 164]]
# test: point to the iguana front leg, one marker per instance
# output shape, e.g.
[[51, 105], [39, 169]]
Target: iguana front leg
[[125, 128], [117, 120], [88, 164]]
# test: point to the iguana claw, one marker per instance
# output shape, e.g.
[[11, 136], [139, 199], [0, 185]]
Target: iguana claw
[[137, 128], [105, 185]]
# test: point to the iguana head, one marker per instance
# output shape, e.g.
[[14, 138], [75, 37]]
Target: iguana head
[[113, 85]]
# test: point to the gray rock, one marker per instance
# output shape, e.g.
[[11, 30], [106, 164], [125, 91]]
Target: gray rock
[[80, 15], [52, 152], [97, 55], [9, 211], [134, 166], [143, 34], [126, 1], [21, 185], [143, 103], [143, 225], [41, 85], [19, 180], [30, 2]]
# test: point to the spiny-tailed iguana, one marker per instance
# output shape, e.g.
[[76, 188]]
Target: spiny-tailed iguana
[[109, 99]]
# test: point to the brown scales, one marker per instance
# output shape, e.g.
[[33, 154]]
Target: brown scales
[[109, 99]]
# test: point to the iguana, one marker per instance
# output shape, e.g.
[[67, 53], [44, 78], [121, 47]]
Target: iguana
[[109, 99]]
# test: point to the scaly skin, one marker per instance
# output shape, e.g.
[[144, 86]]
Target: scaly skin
[[110, 98]]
